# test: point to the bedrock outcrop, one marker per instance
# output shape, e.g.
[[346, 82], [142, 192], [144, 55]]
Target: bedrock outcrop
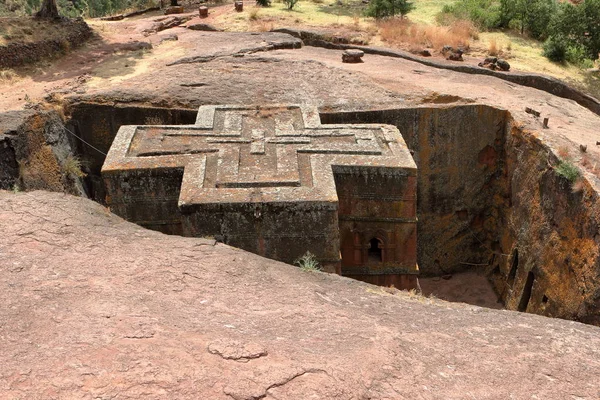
[[96, 307], [36, 152]]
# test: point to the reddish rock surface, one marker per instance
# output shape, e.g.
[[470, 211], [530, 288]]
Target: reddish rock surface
[[95, 307]]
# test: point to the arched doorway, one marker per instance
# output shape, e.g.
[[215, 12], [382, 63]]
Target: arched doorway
[[375, 253]]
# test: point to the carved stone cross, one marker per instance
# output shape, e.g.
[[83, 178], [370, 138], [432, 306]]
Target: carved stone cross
[[261, 178]]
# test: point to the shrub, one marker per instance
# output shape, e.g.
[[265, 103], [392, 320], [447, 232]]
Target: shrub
[[263, 3], [555, 49], [379, 9], [567, 170], [253, 15], [72, 167], [536, 16], [578, 25], [493, 49], [483, 13], [308, 262], [290, 3], [577, 55]]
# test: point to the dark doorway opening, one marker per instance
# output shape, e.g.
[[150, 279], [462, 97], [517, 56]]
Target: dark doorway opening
[[526, 296], [375, 251]]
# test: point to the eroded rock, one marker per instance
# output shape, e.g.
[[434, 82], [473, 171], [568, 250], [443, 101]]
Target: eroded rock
[[495, 63], [352, 56], [236, 350], [135, 46], [202, 27]]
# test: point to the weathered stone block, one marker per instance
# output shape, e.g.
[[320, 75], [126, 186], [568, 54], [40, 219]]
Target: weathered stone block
[[352, 56], [174, 10]]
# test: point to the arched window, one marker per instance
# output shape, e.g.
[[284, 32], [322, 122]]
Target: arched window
[[375, 250]]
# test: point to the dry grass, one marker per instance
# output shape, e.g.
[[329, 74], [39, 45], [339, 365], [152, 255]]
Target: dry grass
[[8, 75], [72, 167], [263, 25], [563, 152], [578, 186], [253, 15], [493, 49], [398, 31]]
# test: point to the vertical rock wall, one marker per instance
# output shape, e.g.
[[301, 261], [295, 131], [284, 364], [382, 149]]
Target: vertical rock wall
[[36, 153], [98, 124], [490, 199], [550, 243]]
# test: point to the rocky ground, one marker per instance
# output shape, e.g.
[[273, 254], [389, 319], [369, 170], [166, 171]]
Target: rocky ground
[[96, 307]]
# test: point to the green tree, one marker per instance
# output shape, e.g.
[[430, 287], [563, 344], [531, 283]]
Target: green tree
[[49, 9], [579, 26], [531, 16], [387, 8]]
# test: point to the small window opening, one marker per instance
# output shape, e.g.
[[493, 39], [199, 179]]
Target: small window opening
[[375, 251], [544, 299]]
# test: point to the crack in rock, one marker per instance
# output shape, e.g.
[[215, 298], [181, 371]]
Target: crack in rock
[[251, 390]]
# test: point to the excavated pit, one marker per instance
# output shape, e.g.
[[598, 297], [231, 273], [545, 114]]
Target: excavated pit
[[488, 199]]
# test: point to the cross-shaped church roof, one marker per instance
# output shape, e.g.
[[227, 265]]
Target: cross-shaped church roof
[[257, 154]]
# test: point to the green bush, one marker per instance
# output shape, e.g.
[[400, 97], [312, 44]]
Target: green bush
[[567, 170], [290, 3], [379, 9], [580, 26], [577, 55], [483, 13], [536, 16], [555, 48]]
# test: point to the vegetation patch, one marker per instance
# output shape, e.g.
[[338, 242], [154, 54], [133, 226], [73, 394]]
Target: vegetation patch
[[458, 34], [308, 262], [26, 40], [75, 8], [567, 170]]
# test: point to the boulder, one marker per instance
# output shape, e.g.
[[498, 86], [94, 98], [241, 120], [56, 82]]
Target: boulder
[[168, 38], [174, 10], [503, 64], [495, 63], [202, 27], [452, 54], [455, 56], [352, 56]]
